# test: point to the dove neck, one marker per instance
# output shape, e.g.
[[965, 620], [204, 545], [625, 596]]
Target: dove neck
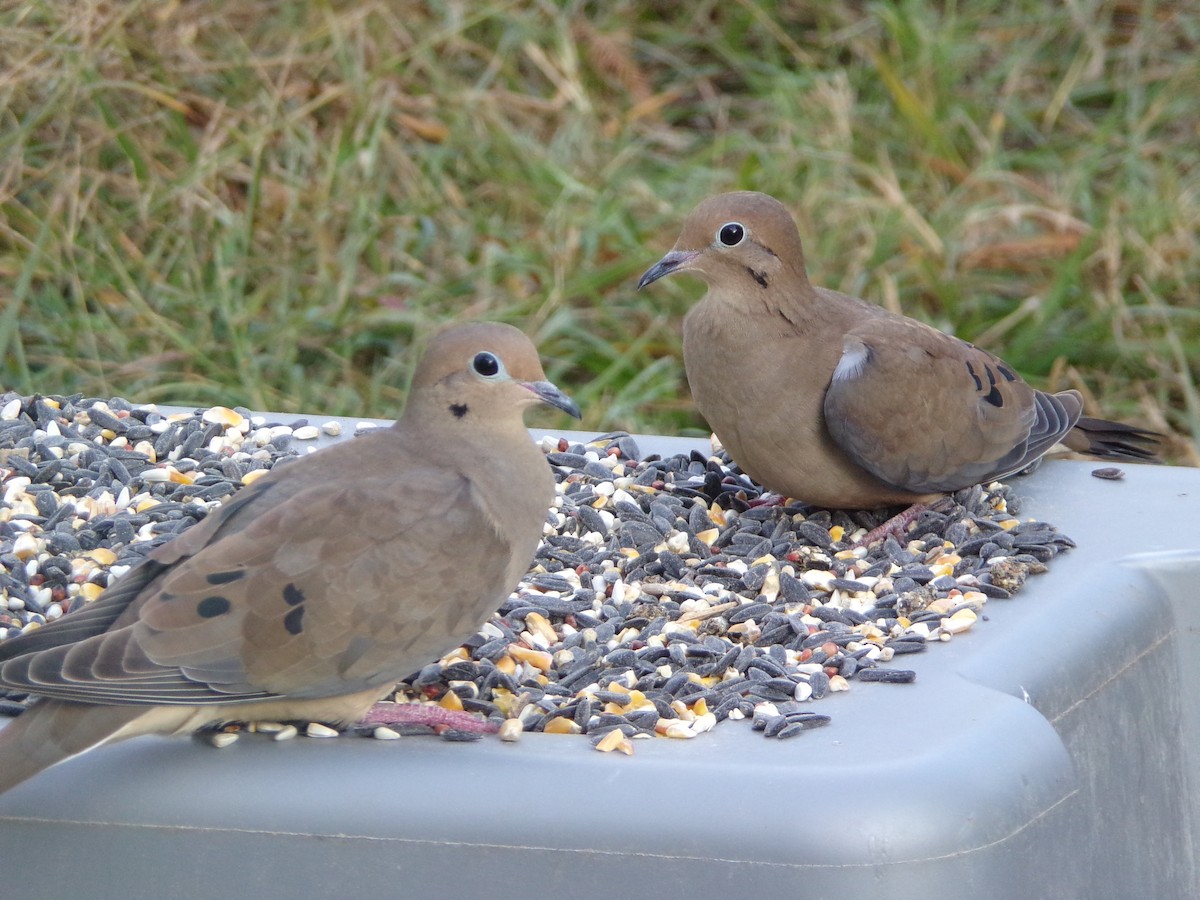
[[795, 301], [456, 413]]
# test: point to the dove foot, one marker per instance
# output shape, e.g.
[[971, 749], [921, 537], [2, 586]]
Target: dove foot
[[421, 714], [767, 498], [898, 524]]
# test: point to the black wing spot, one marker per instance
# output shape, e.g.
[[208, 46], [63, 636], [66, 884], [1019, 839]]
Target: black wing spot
[[459, 409], [294, 621], [292, 595], [1009, 374], [971, 372], [225, 577], [993, 396], [211, 607], [760, 277]]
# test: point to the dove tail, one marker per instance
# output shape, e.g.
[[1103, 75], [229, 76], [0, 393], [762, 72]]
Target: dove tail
[[53, 730], [1113, 440]]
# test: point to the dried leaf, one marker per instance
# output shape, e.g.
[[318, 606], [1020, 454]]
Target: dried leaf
[[610, 54], [1022, 253], [426, 129]]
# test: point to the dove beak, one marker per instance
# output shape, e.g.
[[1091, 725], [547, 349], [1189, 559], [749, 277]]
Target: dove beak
[[674, 261], [549, 394]]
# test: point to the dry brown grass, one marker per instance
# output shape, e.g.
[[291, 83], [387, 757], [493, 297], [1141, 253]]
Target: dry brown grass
[[263, 203]]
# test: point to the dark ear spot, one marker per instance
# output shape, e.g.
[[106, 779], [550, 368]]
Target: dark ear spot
[[760, 277], [459, 409], [211, 607]]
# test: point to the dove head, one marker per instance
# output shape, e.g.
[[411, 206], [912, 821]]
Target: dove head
[[484, 369], [741, 241]]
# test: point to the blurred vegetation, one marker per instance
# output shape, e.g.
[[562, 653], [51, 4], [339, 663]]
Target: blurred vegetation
[[263, 203]]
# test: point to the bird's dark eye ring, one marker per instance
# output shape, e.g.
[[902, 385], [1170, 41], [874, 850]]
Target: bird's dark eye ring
[[731, 234], [486, 364]]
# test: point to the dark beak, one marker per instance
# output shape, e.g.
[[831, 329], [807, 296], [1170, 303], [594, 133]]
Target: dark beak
[[548, 393], [672, 262]]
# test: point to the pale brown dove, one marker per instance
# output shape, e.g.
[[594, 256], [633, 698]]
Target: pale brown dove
[[316, 588], [831, 400]]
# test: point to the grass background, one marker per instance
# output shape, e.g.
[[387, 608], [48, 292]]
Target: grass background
[[264, 203]]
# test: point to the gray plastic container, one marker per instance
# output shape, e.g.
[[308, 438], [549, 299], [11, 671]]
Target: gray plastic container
[[1048, 753]]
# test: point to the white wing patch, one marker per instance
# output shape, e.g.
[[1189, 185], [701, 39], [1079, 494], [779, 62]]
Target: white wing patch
[[855, 356]]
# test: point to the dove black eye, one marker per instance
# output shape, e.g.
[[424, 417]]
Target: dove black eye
[[731, 234], [486, 364]]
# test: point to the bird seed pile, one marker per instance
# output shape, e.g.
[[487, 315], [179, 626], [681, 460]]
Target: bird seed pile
[[667, 595]]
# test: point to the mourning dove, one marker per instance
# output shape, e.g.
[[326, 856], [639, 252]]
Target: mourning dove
[[836, 402], [317, 587]]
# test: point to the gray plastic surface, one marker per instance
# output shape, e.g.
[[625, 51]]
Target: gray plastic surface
[[1046, 753]]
